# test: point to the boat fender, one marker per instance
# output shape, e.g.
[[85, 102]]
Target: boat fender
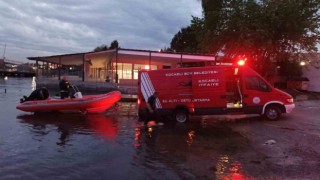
[[78, 95]]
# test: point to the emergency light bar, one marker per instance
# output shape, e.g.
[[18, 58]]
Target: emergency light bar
[[242, 62]]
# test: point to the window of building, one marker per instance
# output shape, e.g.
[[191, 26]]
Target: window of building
[[138, 67], [124, 70]]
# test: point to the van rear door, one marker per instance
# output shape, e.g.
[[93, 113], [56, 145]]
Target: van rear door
[[208, 89]]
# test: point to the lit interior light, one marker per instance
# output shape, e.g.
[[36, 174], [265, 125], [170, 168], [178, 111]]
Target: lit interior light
[[146, 67]]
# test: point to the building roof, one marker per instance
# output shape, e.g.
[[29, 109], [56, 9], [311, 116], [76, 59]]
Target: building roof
[[124, 55], [65, 59]]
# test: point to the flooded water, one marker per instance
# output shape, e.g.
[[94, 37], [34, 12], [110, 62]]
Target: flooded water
[[113, 145]]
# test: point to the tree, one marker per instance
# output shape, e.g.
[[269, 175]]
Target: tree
[[185, 41], [265, 31], [102, 47], [114, 45], [291, 28]]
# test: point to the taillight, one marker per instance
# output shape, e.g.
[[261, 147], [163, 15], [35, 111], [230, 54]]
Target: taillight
[[138, 101]]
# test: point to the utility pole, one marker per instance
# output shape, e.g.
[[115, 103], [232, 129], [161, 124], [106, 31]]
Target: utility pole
[[4, 52]]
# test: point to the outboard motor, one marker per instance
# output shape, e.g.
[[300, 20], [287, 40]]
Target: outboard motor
[[38, 94]]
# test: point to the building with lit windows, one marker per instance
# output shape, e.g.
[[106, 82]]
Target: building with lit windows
[[118, 66]]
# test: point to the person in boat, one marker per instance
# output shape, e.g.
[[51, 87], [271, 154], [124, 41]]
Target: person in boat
[[64, 86], [38, 94]]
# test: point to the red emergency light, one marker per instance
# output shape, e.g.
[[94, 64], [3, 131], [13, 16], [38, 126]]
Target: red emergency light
[[242, 62]]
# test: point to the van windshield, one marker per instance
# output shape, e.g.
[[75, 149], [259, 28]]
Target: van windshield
[[256, 83]]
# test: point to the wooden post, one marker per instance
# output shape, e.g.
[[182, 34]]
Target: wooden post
[[59, 68], [37, 65], [149, 60], [83, 68]]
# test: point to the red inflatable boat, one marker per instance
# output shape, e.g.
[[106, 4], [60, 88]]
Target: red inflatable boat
[[87, 103]]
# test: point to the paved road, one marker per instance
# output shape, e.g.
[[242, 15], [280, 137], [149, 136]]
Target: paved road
[[289, 148]]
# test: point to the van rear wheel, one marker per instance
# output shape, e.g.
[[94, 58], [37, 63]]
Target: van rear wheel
[[272, 113], [181, 115]]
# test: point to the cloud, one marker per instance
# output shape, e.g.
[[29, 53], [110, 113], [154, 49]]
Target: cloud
[[38, 27]]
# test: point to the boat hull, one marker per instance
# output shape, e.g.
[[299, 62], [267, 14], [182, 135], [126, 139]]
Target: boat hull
[[88, 103]]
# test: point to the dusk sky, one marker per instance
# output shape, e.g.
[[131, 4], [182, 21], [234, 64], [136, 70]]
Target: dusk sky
[[52, 27]]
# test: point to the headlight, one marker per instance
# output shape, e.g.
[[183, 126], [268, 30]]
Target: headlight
[[290, 100]]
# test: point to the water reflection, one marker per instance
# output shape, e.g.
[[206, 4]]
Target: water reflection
[[194, 151], [64, 134], [191, 135], [227, 169], [68, 124], [33, 83], [105, 126]]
